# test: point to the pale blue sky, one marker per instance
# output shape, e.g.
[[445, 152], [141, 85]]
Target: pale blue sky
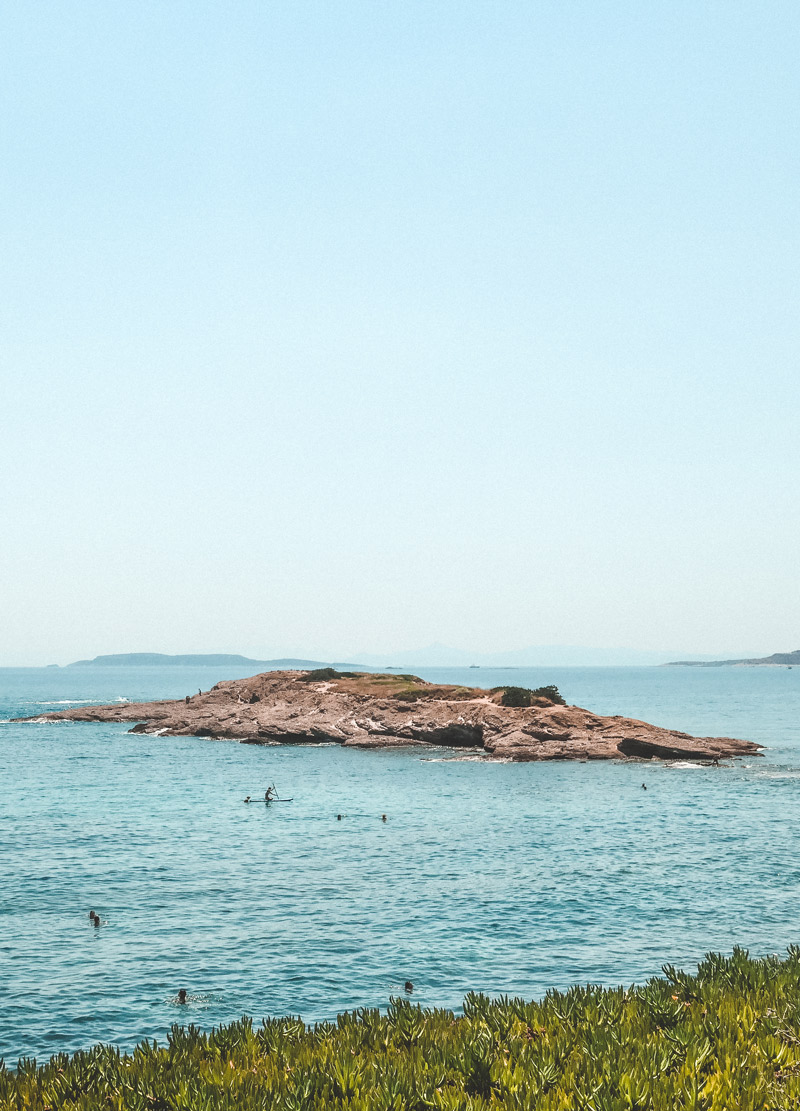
[[337, 328]]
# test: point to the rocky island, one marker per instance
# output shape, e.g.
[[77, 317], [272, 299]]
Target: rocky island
[[378, 711]]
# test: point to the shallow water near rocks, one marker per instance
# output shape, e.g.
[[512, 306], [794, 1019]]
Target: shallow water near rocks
[[495, 877]]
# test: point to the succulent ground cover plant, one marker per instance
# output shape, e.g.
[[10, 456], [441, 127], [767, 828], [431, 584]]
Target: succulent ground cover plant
[[726, 1039]]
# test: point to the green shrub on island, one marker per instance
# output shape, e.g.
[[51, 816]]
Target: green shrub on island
[[322, 673], [726, 1039], [523, 696]]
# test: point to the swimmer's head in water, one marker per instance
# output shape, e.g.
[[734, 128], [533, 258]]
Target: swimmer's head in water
[[409, 987], [182, 995], [383, 817]]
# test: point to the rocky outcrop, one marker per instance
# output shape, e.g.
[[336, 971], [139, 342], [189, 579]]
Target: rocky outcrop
[[378, 711]]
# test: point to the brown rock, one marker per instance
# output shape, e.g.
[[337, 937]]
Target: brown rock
[[378, 711]]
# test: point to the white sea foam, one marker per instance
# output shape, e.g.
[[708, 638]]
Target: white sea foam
[[70, 702], [473, 758], [42, 721]]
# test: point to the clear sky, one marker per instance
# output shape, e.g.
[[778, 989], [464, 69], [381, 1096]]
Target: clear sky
[[332, 328]]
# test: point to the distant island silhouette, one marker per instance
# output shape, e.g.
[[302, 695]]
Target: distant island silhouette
[[777, 659], [159, 659]]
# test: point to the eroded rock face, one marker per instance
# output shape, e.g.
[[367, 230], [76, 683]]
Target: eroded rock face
[[381, 711]]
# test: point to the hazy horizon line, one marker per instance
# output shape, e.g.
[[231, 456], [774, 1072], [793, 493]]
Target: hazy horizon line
[[440, 655]]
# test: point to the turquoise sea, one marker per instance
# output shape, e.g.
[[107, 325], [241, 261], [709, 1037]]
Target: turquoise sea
[[503, 878]]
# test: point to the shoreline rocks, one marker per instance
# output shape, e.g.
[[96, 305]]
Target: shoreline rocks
[[382, 711]]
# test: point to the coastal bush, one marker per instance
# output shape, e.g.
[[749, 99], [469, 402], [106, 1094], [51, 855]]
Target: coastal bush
[[516, 696], [319, 674], [725, 1039], [523, 696], [323, 673], [552, 692]]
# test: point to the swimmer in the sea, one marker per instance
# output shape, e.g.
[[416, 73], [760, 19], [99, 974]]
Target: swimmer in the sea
[[383, 817], [182, 995], [409, 987], [247, 799]]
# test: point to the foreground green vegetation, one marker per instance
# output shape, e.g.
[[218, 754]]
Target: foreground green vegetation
[[727, 1039]]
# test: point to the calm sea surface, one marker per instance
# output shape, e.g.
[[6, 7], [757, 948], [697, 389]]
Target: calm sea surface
[[502, 878]]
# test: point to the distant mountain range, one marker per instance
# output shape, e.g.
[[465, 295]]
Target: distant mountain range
[[777, 659], [158, 659]]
